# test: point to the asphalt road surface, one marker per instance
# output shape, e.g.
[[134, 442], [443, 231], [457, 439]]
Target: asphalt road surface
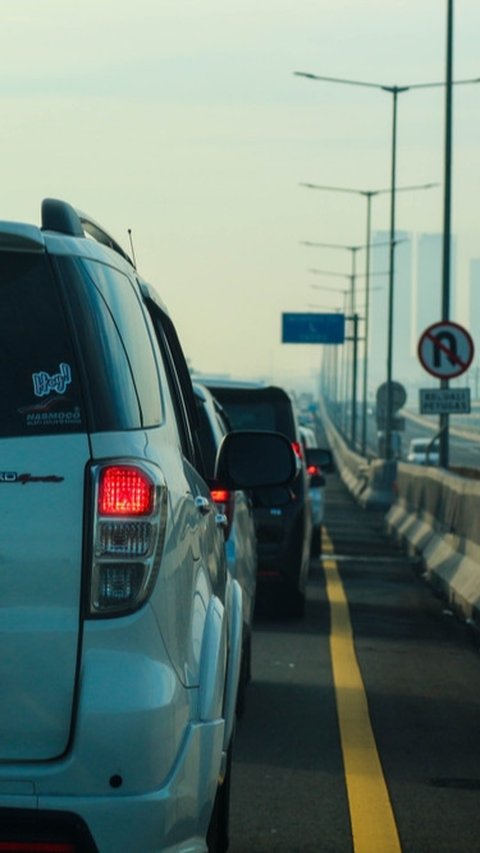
[[362, 726]]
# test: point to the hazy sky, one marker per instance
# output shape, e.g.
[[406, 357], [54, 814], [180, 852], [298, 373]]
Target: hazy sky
[[184, 122]]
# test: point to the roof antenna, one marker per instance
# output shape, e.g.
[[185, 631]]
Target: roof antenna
[[131, 246]]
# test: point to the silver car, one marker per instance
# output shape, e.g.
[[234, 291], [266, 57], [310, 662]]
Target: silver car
[[316, 490], [240, 536]]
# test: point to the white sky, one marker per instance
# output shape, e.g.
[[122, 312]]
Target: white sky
[[184, 122]]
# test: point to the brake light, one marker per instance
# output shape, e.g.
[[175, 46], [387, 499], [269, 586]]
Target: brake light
[[125, 490], [129, 523], [224, 501], [313, 470], [220, 495]]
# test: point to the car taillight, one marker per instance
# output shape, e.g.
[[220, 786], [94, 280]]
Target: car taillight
[[129, 521], [313, 470], [224, 501], [125, 490]]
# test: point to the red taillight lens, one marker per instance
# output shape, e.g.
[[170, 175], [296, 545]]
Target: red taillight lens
[[220, 496], [313, 470], [128, 534], [125, 490]]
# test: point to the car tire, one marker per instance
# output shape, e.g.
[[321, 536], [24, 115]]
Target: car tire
[[293, 603], [218, 829], [316, 541], [245, 677]]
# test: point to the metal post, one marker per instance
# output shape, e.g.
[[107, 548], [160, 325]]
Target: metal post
[[367, 315], [389, 401], [444, 419], [354, 381]]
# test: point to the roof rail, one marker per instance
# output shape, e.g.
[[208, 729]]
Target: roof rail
[[60, 216]]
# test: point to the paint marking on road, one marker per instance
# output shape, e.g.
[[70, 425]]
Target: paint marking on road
[[372, 821]]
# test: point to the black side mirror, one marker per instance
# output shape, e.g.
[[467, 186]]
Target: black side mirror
[[248, 459], [320, 457]]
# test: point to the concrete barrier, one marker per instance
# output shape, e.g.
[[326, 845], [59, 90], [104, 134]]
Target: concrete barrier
[[371, 482], [435, 515]]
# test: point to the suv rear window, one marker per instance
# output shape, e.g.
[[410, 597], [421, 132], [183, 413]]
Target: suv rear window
[[39, 385], [258, 408], [114, 345]]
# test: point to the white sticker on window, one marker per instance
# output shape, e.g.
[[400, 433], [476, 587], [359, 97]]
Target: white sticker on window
[[43, 382]]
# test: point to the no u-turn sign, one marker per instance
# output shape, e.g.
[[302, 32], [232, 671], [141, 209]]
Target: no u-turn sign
[[445, 350]]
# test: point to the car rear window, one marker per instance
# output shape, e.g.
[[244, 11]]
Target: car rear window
[[264, 409], [39, 383], [115, 346]]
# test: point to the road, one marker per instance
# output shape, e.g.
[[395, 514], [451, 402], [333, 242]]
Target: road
[[366, 742]]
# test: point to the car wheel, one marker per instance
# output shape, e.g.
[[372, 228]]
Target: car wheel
[[294, 603], [218, 834], [245, 677], [316, 541]]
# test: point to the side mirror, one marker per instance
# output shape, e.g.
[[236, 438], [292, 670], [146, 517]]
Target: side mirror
[[320, 457], [248, 459]]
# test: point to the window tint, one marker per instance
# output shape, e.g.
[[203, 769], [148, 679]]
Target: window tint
[[179, 382], [131, 335], [267, 410], [207, 442], [113, 342], [39, 382]]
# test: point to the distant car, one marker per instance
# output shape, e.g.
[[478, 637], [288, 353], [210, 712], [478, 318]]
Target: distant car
[[236, 507], [283, 518], [424, 451], [316, 475]]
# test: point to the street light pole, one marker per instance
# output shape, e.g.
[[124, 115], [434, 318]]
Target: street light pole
[[444, 419], [394, 91], [368, 194]]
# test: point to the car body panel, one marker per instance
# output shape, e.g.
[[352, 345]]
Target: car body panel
[[424, 451], [41, 505]]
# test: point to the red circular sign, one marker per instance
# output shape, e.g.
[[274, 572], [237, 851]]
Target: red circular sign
[[445, 349]]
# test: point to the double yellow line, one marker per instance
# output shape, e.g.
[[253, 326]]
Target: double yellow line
[[372, 820]]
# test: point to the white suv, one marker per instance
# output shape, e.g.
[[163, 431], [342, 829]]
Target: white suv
[[120, 634]]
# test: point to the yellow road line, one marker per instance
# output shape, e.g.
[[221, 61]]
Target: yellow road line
[[372, 820]]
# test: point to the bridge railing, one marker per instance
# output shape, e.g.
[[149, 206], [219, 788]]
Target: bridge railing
[[434, 513]]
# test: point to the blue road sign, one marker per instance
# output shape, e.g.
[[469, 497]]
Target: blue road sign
[[313, 328]]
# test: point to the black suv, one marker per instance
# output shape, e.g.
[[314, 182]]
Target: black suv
[[283, 515]]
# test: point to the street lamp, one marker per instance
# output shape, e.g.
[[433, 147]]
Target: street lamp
[[344, 383], [354, 318], [343, 380], [394, 91], [368, 194]]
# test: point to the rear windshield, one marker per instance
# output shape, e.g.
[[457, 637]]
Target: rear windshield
[[39, 384], [264, 409]]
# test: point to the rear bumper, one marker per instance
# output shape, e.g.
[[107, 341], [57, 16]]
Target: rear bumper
[[172, 818], [147, 753]]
